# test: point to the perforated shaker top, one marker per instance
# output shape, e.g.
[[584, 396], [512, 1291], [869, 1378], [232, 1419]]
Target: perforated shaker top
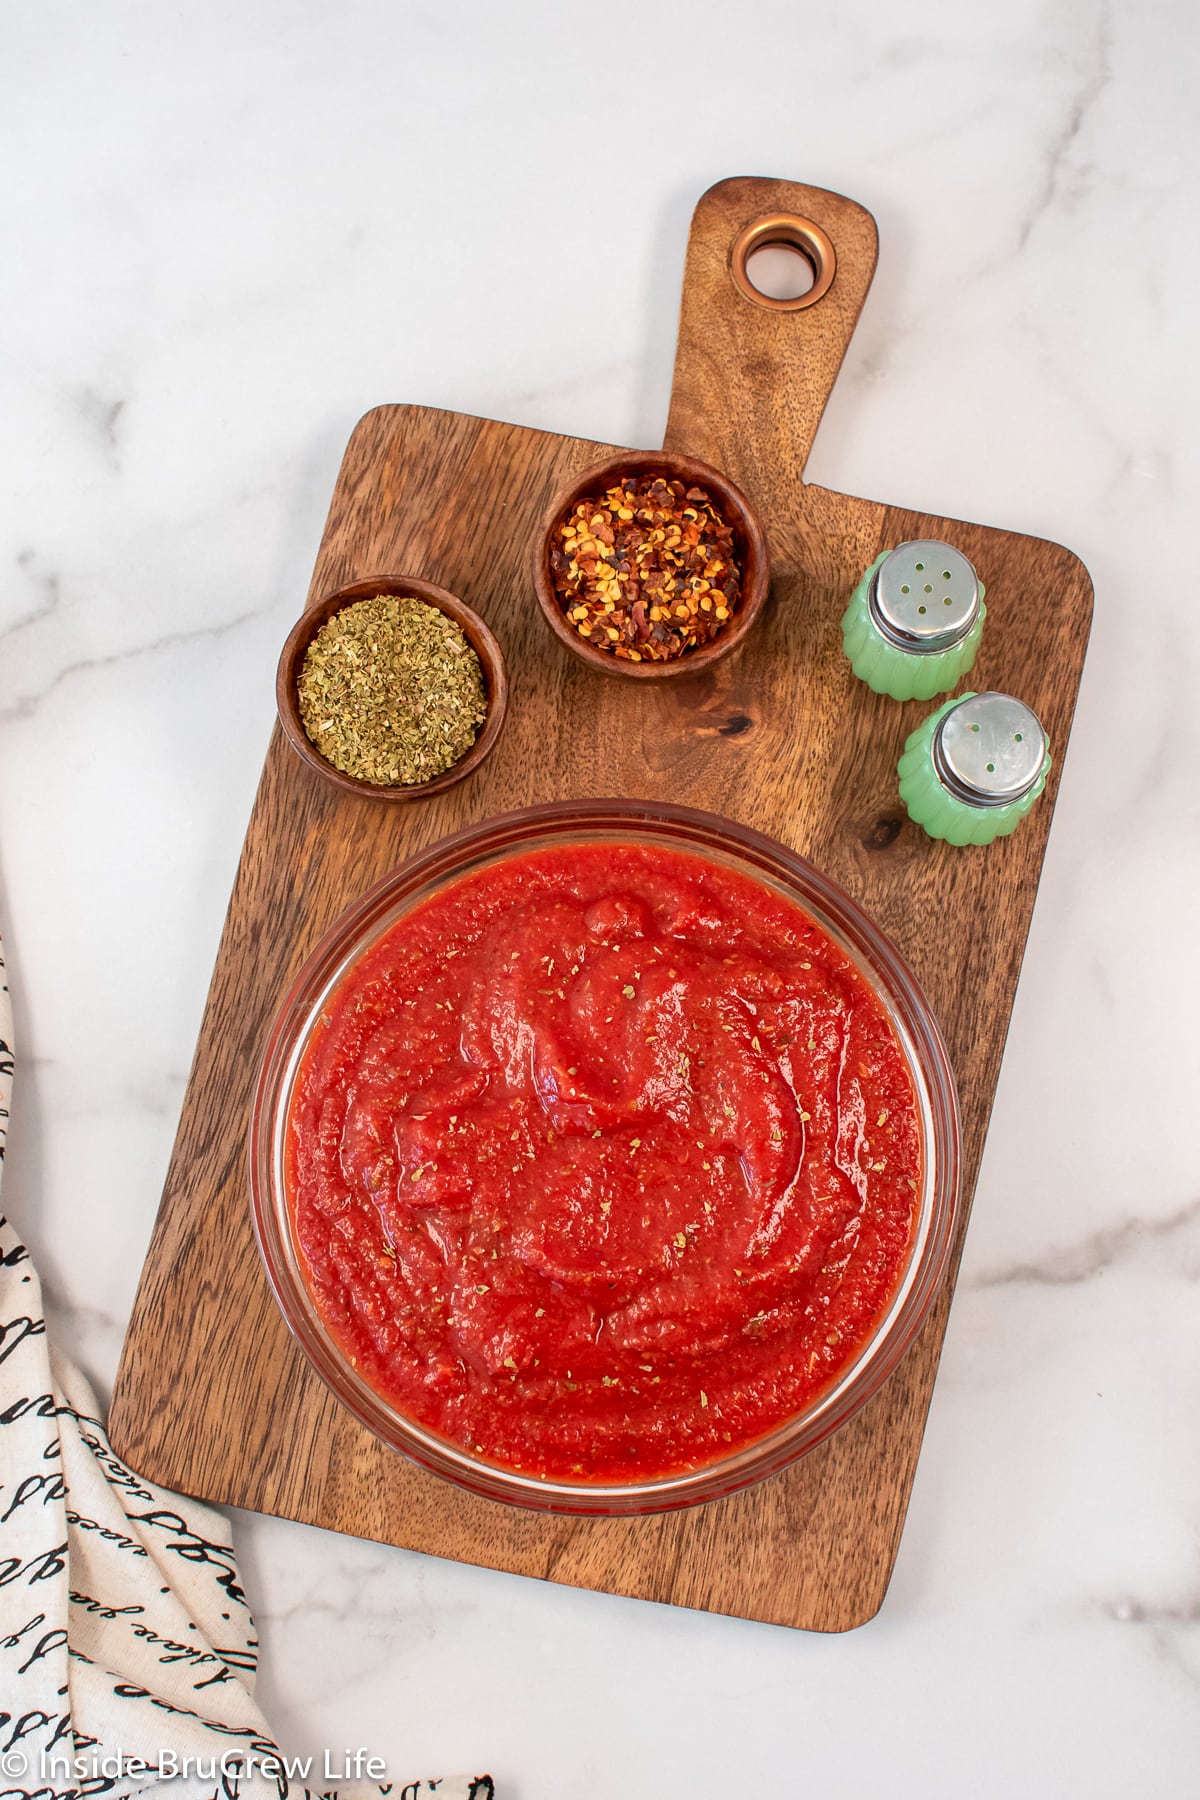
[[989, 749], [924, 597]]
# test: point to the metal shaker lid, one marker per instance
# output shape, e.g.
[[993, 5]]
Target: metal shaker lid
[[988, 750], [924, 597]]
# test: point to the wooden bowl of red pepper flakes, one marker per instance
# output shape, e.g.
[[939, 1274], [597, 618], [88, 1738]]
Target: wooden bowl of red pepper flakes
[[650, 564]]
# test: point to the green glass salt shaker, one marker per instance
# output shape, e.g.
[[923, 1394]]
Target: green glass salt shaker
[[913, 623], [972, 771]]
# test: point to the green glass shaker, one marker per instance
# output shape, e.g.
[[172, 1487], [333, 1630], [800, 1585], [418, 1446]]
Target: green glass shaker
[[913, 623], [972, 771]]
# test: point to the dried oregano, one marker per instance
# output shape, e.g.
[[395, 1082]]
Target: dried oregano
[[391, 691]]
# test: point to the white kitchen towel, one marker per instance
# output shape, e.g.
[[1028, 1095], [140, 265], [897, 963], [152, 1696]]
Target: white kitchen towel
[[127, 1650]]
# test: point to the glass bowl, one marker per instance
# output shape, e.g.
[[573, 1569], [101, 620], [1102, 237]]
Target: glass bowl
[[778, 869]]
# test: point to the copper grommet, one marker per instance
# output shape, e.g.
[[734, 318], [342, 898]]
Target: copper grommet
[[800, 234]]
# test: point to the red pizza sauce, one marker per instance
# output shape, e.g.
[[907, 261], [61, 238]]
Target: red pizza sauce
[[602, 1162]]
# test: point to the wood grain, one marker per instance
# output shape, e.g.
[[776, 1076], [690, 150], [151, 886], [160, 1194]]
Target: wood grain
[[212, 1397]]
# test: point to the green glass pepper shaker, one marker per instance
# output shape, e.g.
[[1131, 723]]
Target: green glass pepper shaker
[[913, 623], [972, 771]]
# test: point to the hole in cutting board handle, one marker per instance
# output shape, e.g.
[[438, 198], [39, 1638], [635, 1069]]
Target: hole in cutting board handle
[[790, 232], [779, 272]]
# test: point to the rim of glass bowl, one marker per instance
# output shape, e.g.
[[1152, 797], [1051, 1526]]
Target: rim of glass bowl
[[750, 852]]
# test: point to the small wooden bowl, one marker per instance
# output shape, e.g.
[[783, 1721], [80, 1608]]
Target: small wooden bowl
[[495, 682], [737, 511]]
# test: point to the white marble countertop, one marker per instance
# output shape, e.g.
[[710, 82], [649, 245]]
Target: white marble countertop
[[228, 231]]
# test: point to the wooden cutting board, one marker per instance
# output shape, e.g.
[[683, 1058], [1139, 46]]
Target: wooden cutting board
[[212, 1396]]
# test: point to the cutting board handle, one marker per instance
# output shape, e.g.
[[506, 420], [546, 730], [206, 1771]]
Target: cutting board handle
[[751, 378]]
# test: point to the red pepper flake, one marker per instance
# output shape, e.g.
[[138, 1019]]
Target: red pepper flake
[[647, 570]]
